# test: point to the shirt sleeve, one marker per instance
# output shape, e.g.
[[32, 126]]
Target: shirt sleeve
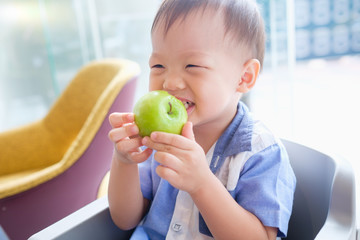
[[146, 182], [266, 187], [149, 180]]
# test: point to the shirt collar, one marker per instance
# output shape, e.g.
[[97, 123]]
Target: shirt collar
[[235, 139]]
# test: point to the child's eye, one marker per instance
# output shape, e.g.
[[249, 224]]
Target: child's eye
[[157, 66], [191, 65]]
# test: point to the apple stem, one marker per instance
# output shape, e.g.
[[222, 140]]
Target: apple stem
[[170, 112]]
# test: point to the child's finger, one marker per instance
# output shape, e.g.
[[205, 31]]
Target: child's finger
[[129, 145], [168, 160], [161, 141], [118, 119], [168, 174], [187, 131], [117, 134], [141, 156]]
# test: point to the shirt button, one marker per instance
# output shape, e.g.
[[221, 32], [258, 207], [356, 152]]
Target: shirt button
[[176, 227]]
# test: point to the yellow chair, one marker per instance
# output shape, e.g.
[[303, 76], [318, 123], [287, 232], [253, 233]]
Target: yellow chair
[[52, 167]]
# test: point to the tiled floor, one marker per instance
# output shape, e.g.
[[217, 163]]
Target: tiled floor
[[317, 105]]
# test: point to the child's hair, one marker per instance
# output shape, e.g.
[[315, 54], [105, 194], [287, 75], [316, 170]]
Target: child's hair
[[242, 19]]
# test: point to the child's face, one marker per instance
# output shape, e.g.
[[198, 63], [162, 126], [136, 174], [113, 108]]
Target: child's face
[[196, 63]]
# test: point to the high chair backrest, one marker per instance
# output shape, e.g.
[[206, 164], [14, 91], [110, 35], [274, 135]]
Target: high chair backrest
[[324, 202]]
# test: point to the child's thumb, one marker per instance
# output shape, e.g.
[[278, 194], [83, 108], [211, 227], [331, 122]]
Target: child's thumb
[[187, 131]]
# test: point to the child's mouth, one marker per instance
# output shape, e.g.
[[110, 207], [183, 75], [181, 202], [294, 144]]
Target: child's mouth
[[189, 106]]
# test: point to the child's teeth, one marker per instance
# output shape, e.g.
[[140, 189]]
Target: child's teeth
[[186, 104]]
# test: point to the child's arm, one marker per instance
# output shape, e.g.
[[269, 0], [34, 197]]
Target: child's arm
[[126, 202], [225, 218], [183, 164]]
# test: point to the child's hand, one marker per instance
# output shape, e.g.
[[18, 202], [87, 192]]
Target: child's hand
[[183, 161], [126, 139]]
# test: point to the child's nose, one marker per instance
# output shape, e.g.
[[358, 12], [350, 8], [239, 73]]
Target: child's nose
[[173, 82]]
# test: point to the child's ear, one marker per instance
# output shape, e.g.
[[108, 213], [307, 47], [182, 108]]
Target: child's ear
[[249, 75]]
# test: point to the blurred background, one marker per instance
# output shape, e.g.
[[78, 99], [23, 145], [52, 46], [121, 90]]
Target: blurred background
[[308, 90]]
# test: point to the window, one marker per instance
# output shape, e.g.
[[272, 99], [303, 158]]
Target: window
[[308, 90]]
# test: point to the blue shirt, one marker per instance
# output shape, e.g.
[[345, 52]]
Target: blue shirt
[[251, 163]]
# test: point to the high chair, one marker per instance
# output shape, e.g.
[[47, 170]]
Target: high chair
[[324, 204]]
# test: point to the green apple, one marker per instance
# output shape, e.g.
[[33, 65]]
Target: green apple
[[159, 111]]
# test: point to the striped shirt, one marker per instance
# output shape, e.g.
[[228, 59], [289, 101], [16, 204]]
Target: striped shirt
[[250, 162]]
